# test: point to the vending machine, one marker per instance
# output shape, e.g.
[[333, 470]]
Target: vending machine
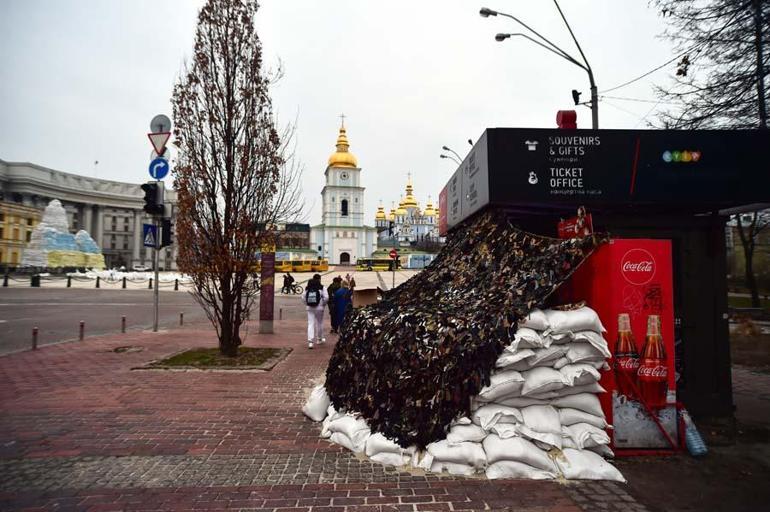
[[629, 282]]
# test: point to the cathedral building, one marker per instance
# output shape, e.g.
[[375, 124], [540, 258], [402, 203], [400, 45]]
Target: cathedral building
[[408, 224], [342, 237]]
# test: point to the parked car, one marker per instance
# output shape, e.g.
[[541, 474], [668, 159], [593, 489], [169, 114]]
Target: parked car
[[141, 268]]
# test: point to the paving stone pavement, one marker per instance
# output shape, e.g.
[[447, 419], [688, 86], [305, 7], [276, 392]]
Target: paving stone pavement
[[81, 430]]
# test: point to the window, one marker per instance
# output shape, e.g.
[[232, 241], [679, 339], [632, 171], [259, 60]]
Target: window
[[344, 208], [2, 232], [29, 236], [2, 217], [16, 234], [356, 199]]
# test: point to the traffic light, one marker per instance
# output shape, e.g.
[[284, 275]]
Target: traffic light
[[166, 233], [153, 198], [576, 96]]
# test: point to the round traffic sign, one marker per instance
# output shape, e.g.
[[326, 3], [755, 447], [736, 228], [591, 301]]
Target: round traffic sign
[[393, 254], [160, 123], [159, 168]]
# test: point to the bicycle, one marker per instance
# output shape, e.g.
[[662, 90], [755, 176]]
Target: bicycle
[[294, 288]]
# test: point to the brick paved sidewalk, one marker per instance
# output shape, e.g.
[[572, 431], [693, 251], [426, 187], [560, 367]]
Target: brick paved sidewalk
[[81, 430]]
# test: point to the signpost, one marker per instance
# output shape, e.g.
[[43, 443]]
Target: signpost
[[160, 131], [394, 257]]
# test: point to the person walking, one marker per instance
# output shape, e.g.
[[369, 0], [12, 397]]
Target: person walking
[[288, 280], [315, 299], [331, 290], [342, 302]]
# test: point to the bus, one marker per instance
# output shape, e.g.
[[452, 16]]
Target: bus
[[319, 265], [301, 266], [374, 264], [283, 266]]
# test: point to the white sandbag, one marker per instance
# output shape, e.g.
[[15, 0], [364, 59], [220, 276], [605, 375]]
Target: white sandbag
[[603, 450], [541, 380], [508, 382], [452, 468], [581, 319], [541, 423], [585, 435], [586, 465], [516, 449], [539, 357], [536, 320], [331, 415], [570, 390], [505, 430], [586, 402], [515, 469], [348, 425], [378, 443], [471, 454], [465, 433], [569, 416], [520, 401], [356, 444], [317, 404], [595, 339], [528, 338], [492, 414], [391, 459], [507, 359], [579, 374], [463, 420], [583, 352], [422, 460], [560, 363]]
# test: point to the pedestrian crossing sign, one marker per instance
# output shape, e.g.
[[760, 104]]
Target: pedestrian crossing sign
[[150, 235]]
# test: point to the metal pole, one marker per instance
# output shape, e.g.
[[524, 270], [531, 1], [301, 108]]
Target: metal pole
[[157, 282], [123, 324], [34, 338], [181, 318], [594, 103], [82, 333]]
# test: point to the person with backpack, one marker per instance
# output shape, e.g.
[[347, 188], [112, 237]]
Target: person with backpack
[[331, 290], [315, 299], [342, 302]]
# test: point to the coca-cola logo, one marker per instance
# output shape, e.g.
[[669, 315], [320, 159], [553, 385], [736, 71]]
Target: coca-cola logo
[[637, 267], [656, 372], [627, 363]]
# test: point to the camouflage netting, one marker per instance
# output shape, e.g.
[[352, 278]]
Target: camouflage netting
[[411, 363]]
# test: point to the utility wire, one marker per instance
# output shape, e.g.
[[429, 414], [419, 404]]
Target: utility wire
[[640, 100]]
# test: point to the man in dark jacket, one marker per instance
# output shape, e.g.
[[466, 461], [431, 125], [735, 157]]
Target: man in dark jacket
[[331, 290]]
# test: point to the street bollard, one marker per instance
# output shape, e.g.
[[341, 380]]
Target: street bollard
[[280, 313], [150, 287], [5, 281], [124, 283], [98, 280], [82, 330], [34, 338], [176, 285], [69, 281], [181, 318], [123, 324]]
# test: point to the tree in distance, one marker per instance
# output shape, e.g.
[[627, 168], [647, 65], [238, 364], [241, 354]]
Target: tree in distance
[[235, 176]]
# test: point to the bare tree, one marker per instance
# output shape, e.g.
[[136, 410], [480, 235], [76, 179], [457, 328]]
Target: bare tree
[[749, 234], [722, 76], [235, 178]]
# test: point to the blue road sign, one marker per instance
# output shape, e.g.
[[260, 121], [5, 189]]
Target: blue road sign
[[150, 235], [159, 168]]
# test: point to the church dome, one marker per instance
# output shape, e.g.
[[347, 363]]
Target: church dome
[[392, 214], [429, 210], [380, 213], [342, 157], [409, 201]]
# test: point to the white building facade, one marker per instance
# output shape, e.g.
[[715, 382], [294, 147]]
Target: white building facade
[[342, 237], [408, 224]]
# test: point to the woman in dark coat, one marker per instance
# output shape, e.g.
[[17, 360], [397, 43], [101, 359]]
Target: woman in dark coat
[[342, 302]]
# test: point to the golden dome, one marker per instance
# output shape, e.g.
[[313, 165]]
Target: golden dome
[[429, 210], [342, 157], [380, 213], [409, 201], [392, 214], [401, 210]]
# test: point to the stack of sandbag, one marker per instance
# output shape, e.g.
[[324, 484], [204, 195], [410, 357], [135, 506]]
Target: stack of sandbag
[[539, 417]]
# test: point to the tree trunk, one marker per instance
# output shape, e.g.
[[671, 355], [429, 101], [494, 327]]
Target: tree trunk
[[751, 280], [228, 335]]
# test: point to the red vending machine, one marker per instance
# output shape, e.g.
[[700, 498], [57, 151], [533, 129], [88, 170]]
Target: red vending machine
[[629, 282]]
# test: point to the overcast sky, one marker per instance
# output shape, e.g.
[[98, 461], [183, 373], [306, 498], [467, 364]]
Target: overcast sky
[[81, 79]]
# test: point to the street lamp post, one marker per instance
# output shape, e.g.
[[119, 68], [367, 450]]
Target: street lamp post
[[451, 158], [553, 48]]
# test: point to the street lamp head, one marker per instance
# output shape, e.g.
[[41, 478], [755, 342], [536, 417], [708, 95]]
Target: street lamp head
[[502, 37], [443, 156], [444, 148], [484, 12]]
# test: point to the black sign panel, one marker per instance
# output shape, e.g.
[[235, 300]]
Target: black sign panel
[[692, 170]]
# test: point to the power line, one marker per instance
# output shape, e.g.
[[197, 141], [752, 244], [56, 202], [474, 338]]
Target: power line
[[640, 100]]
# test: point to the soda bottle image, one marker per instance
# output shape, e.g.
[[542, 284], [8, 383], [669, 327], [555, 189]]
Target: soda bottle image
[[653, 367], [626, 358]]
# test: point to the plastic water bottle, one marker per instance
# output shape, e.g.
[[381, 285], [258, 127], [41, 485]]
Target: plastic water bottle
[[692, 438]]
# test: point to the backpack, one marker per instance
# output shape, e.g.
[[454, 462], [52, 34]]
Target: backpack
[[313, 297]]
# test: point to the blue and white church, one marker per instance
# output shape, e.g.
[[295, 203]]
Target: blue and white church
[[342, 237]]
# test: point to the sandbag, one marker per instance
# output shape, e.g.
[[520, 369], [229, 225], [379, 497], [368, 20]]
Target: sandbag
[[501, 384], [586, 465], [505, 430], [583, 352], [391, 459], [541, 423], [378, 443], [595, 339], [492, 414], [570, 390], [603, 450], [452, 468], [508, 359], [535, 320], [515, 469], [541, 380], [317, 404], [331, 415], [356, 444], [528, 338], [539, 357], [579, 374], [520, 401], [470, 454], [348, 425], [516, 449], [561, 362], [585, 435], [586, 402], [465, 433], [569, 416], [581, 319]]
